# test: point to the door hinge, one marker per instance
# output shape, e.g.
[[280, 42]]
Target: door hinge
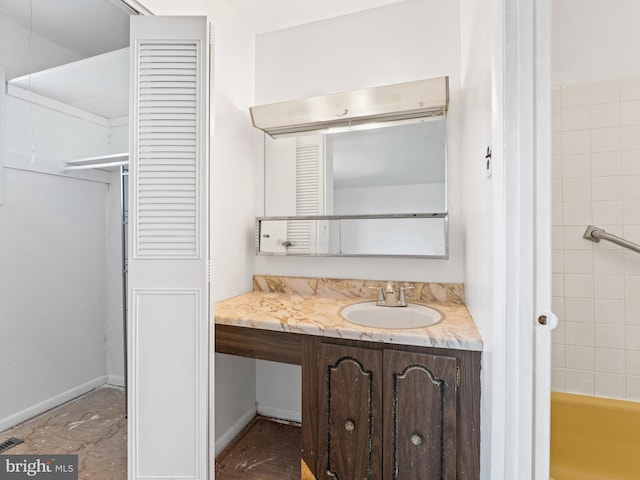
[[457, 376]]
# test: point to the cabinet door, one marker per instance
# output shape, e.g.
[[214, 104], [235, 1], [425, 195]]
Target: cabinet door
[[350, 413], [420, 416]]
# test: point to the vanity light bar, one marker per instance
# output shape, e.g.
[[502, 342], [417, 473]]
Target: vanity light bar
[[402, 101]]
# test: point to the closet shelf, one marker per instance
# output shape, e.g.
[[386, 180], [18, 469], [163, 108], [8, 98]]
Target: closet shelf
[[101, 161]]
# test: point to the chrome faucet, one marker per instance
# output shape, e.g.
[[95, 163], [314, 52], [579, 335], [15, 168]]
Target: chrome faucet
[[388, 297]]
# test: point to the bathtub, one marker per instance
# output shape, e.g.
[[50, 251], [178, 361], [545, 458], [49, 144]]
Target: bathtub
[[594, 438]]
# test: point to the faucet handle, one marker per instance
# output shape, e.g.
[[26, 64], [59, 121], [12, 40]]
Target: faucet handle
[[401, 300], [380, 300]]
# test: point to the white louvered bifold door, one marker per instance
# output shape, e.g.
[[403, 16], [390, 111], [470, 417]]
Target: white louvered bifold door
[[168, 322], [309, 194]]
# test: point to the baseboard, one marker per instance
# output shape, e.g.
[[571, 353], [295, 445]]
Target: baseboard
[[50, 403], [234, 430], [116, 380], [282, 413]]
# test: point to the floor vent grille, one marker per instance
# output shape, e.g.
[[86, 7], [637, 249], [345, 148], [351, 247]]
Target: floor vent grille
[[12, 442]]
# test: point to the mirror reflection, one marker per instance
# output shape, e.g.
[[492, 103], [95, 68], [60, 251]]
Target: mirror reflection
[[390, 170], [393, 236]]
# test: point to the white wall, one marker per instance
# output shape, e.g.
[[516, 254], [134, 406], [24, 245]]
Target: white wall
[[595, 40], [52, 286], [479, 217], [407, 41], [53, 257], [233, 150], [15, 54], [274, 395], [56, 137]]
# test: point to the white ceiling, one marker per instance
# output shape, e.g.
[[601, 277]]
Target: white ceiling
[[265, 16], [94, 27], [88, 27]]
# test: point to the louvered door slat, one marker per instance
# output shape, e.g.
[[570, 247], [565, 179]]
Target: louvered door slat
[[147, 159], [168, 97], [162, 129], [167, 187], [178, 63]]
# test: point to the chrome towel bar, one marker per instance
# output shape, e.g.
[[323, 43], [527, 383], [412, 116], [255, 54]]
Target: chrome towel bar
[[596, 234]]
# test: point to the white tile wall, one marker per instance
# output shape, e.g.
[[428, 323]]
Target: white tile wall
[[629, 162], [630, 89], [596, 287]]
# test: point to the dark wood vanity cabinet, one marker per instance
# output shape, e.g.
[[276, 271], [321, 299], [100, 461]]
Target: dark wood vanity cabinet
[[378, 413], [350, 413], [419, 425]]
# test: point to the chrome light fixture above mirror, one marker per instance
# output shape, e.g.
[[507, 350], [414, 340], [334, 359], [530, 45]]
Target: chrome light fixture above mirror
[[402, 101]]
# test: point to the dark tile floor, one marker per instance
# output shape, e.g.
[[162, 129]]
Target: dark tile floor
[[265, 450], [93, 427]]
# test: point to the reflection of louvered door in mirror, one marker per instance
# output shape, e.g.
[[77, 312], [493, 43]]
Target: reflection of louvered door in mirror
[[309, 198], [299, 192]]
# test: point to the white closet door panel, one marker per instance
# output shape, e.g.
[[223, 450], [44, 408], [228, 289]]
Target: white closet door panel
[[168, 249], [164, 337]]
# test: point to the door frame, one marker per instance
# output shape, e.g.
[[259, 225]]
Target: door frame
[[527, 225]]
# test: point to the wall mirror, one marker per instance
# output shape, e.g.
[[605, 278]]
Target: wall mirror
[[365, 188], [395, 175]]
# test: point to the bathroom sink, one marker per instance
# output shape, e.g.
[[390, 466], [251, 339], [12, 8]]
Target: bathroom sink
[[368, 314]]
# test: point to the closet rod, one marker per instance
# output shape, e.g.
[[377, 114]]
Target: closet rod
[[101, 161], [95, 165]]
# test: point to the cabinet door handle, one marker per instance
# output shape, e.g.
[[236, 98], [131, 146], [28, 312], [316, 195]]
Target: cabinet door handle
[[416, 440], [349, 426]]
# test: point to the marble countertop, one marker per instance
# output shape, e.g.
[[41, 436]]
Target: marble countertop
[[319, 315]]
